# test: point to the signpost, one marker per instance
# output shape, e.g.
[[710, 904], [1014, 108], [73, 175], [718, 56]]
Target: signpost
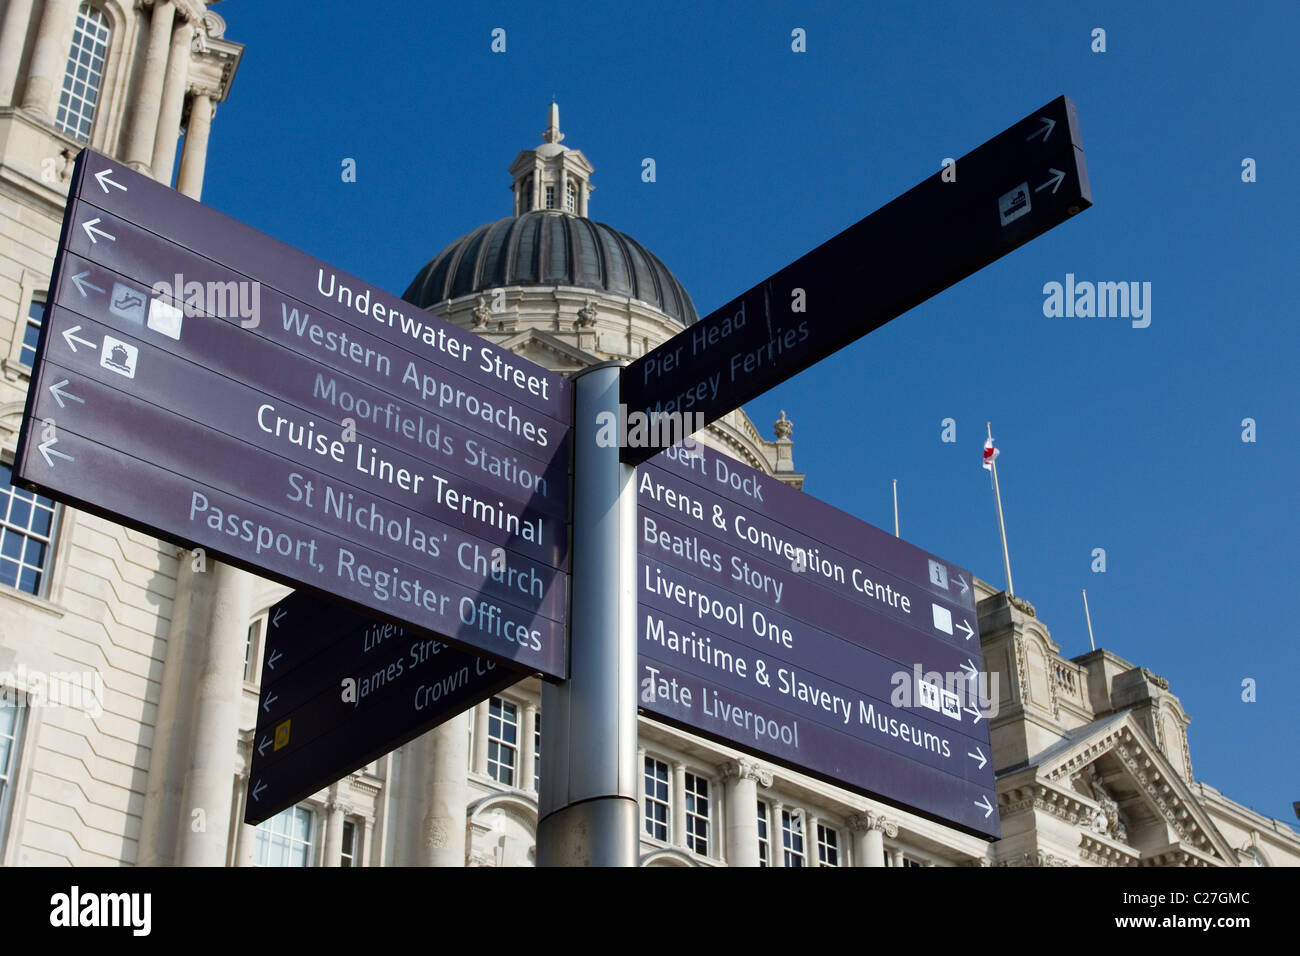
[[201, 381], [775, 623], [1016, 186], [341, 688]]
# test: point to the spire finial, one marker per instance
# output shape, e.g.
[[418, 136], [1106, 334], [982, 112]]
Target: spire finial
[[553, 134]]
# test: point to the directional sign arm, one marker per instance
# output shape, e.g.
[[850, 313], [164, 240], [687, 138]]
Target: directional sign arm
[[934, 235]]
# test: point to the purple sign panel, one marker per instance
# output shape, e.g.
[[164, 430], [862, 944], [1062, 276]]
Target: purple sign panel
[[780, 625], [340, 689], [1024, 181], [190, 381]]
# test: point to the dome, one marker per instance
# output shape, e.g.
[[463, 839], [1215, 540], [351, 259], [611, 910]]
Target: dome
[[547, 247]]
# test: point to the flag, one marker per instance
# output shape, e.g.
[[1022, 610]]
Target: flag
[[990, 453]]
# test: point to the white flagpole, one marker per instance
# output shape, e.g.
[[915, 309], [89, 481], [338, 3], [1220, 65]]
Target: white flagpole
[[1002, 525], [1088, 615], [895, 507]]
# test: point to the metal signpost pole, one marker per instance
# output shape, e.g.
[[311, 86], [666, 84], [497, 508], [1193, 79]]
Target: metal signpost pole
[[588, 806]]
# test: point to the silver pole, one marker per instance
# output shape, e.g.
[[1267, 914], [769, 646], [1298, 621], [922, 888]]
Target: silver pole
[[1087, 614], [587, 807], [895, 507]]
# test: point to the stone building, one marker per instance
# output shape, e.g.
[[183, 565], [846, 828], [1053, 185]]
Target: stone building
[[129, 676]]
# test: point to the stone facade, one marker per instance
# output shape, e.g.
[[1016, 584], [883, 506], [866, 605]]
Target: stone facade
[[142, 755]]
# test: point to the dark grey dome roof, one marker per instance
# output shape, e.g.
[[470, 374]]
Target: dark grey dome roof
[[545, 247]]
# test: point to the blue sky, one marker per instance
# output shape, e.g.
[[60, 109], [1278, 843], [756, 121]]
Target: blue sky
[[1111, 437]]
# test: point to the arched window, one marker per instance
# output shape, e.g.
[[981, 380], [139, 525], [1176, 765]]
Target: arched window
[[84, 77]]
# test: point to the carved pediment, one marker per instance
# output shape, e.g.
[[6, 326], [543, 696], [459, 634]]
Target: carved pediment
[[1134, 796]]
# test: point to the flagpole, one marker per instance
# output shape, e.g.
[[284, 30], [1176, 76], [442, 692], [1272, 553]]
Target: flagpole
[[1088, 615], [1002, 525], [895, 507]]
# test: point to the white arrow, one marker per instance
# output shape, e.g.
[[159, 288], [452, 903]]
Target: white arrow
[[978, 755], [1054, 182], [89, 226], [988, 807], [47, 449], [965, 588], [261, 748], [1045, 130], [79, 280], [266, 704], [59, 395], [257, 791], [105, 182], [965, 626], [974, 713], [968, 666], [279, 616], [275, 656], [70, 336]]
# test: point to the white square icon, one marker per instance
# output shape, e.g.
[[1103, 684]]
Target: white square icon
[[927, 694], [951, 705], [165, 318], [1013, 205], [942, 619], [118, 356]]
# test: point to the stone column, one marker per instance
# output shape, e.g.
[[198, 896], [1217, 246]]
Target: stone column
[[172, 103], [740, 780], [13, 35], [219, 612], [869, 831], [896, 858], [49, 56], [363, 851], [527, 752], [194, 155], [640, 793], [443, 794], [148, 95], [678, 804], [778, 834], [810, 839], [481, 738], [335, 811]]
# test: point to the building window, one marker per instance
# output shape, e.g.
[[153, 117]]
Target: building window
[[697, 814], [792, 837], [26, 528], [550, 197], [537, 751], [570, 198], [908, 861], [656, 799], [764, 843], [503, 739], [348, 854], [828, 846], [250, 651], [285, 839], [85, 74], [12, 711], [31, 332]]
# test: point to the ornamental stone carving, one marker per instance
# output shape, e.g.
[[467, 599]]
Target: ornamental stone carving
[[862, 822], [783, 427], [587, 315], [481, 313], [744, 769]]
